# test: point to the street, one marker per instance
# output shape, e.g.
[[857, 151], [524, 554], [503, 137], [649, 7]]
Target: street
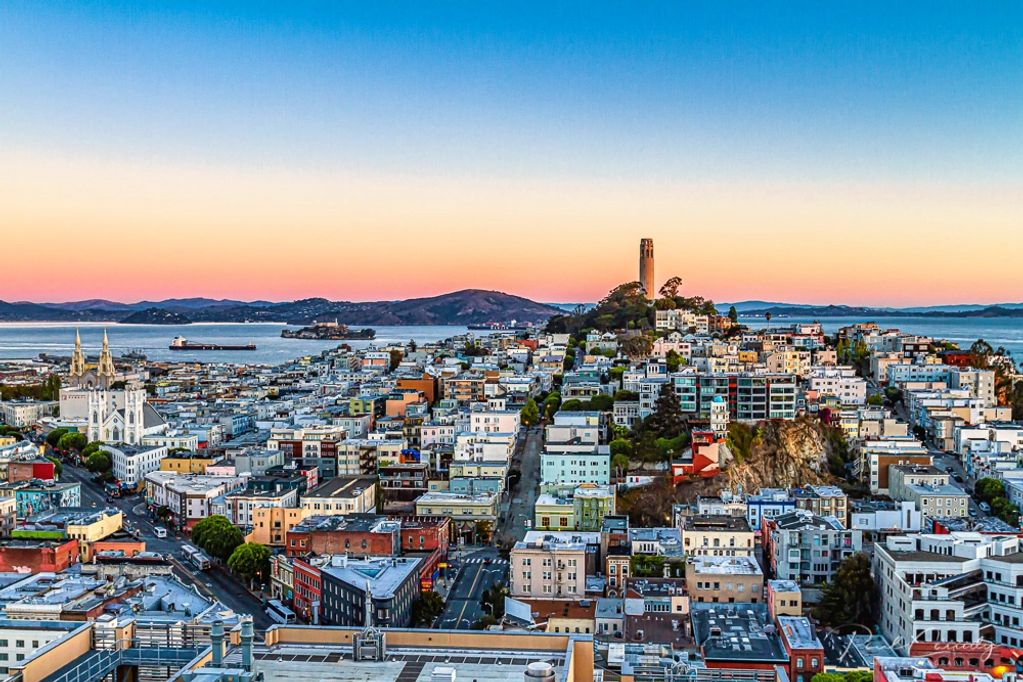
[[215, 583], [478, 571], [512, 525]]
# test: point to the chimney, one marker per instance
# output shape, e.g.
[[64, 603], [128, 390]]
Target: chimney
[[217, 639], [247, 635]]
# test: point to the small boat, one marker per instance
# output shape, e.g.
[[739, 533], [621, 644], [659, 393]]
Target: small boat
[[134, 354], [181, 343]]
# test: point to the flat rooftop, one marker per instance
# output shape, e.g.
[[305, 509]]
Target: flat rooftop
[[289, 662], [712, 522], [720, 565]]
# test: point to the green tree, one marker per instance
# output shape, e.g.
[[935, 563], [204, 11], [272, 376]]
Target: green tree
[[427, 609], [626, 396], [72, 441], [851, 676], [637, 346], [666, 421], [600, 403], [740, 440], [621, 446], [1005, 510], [620, 465], [573, 405], [877, 400], [893, 394], [493, 599], [90, 448], [98, 462], [7, 430], [852, 597], [250, 561], [484, 622], [989, 489], [53, 437], [530, 413], [551, 404], [673, 360], [217, 536], [647, 566], [733, 314], [670, 288]]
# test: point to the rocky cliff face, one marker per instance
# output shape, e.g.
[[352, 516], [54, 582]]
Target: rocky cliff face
[[783, 454]]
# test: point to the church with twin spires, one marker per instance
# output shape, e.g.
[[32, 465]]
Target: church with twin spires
[[112, 403]]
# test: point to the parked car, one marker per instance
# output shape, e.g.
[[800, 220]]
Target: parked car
[[985, 507]]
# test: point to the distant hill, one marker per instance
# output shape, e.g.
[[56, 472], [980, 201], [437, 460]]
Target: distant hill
[[821, 311], [155, 316], [469, 306]]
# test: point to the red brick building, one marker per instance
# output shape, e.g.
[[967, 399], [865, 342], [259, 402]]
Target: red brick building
[[308, 595], [805, 651], [37, 556], [42, 469], [356, 534]]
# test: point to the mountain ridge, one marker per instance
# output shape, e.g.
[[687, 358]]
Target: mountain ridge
[[463, 307]]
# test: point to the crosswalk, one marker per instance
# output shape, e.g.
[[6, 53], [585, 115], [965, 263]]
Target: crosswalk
[[493, 562]]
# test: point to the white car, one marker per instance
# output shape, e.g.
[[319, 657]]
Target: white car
[[160, 532]]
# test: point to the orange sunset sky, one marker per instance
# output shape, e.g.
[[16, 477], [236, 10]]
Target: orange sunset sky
[[295, 150]]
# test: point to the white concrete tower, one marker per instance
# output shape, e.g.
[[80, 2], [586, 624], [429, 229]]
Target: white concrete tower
[[646, 267]]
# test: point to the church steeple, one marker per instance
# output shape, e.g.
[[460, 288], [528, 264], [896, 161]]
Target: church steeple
[[105, 369], [77, 358]]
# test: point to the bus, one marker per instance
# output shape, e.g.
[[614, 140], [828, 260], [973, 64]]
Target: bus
[[195, 557], [200, 561], [279, 613]]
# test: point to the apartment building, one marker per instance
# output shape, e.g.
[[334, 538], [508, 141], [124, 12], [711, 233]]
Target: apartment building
[[950, 589], [930, 490], [341, 495], [724, 580], [131, 463], [576, 468], [823, 500], [807, 548], [552, 566], [717, 536]]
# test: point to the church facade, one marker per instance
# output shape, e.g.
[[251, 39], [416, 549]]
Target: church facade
[[113, 405]]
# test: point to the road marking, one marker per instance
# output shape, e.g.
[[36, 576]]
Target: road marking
[[471, 590]]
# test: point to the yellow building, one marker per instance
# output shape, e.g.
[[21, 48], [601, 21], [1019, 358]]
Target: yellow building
[[93, 527], [270, 525], [784, 598], [186, 464], [467, 469], [554, 513]]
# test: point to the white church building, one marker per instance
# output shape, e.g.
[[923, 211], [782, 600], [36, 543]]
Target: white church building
[[113, 405]]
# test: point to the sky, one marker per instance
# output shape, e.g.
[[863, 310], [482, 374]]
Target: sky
[[845, 152]]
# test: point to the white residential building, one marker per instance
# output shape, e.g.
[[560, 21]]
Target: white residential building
[[131, 463]]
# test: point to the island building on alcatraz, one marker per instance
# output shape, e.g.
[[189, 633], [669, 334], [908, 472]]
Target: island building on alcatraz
[[112, 403]]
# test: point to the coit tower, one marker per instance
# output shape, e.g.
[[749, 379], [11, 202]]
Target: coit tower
[[646, 267]]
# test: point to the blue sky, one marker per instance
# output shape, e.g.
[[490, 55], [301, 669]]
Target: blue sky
[[703, 89], [781, 125]]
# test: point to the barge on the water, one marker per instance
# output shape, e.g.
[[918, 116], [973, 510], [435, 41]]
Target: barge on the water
[[181, 343]]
